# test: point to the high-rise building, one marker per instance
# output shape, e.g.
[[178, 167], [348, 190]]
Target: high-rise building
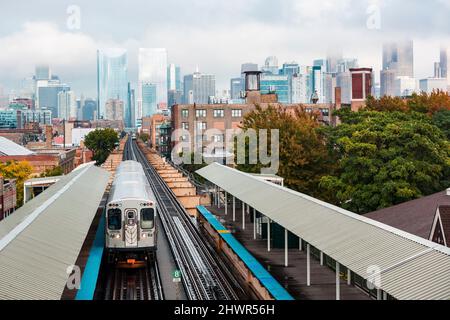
[[445, 64], [153, 70], [361, 84], [333, 58], [237, 85], [149, 102], [43, 72], [290, 68], [199, 87], [114, 109], [387, 78], [278, 84], [270, 65], [433, 84], [398, 61], [405, 86], [317, 81], [67, 105], [89, 110], [301, 86], [112, 77], [48, 96], [344, 81], [131, 118], [173, 77]]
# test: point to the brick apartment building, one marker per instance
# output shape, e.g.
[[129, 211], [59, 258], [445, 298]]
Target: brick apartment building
[[8, 197]]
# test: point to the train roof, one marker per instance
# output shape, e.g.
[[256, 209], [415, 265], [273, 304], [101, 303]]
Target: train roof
[[130, 182]]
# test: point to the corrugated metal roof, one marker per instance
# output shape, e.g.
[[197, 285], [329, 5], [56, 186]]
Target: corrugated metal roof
[[411, 267], [44, 237], [10, 148]]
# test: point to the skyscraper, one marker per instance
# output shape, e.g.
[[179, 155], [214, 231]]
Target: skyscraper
[[199, 87], [333, 58], [317, 81], [112, 77], [149, 99], [236, 86], [153, 70], [47, 96], [43, 72], [398, 61], [279, 84], [445, 63], [67, 105], [271, 65], [173, 77]]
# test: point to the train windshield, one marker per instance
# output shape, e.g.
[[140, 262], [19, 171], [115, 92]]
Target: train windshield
[[114, 219], [147, 218]]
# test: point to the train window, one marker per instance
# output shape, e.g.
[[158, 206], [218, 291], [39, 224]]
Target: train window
[[114, 219], [147, 218]]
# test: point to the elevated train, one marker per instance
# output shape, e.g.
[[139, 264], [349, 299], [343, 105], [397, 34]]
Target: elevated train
[[130, 233]]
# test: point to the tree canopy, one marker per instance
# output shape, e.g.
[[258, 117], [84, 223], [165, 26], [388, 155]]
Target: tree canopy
[[20, 171], [101, 142], [303, 156], [385, 158]]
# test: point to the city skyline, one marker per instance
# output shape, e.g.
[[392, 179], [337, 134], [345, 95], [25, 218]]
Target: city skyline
[[73, 54]]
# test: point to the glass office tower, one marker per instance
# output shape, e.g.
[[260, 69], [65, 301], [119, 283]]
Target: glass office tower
[[149, 99], [112, 78], [153, 69]]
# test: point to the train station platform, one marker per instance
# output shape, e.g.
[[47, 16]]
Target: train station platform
[[361, 253], [41, 242], [293, 277]]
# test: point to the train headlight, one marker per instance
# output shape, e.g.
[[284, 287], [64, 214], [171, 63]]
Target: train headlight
[[144, 235]]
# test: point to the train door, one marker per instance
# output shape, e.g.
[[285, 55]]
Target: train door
[[131, 229]]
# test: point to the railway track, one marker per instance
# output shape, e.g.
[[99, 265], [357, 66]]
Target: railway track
[[204, 275], [134, 284]]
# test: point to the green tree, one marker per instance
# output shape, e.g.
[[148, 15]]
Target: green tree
[[303, 156], [144, 137], [385, 158], [54, 172], [101, 142], [442, 120], [20, 171]]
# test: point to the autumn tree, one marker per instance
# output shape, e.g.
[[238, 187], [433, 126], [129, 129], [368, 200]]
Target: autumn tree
[[303, 156], [385, 158], [20, 171], [101, 142]]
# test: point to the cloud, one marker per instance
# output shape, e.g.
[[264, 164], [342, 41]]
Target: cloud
[[215, 35]]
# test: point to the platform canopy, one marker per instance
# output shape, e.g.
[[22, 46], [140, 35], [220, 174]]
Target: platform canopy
[[407, 266], [41, 240]]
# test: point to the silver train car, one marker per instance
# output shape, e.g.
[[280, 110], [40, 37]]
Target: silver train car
[[130, 233]]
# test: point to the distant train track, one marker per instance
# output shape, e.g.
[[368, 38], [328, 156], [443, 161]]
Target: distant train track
[[204, 275]]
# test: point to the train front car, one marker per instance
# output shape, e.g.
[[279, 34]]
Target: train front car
[[131, 217]]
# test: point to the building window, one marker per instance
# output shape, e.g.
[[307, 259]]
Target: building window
[[185, 125], [201, 125], [218, 113], [236, 113], [218, 138], [325, 112], [184, 113], [201, 113]]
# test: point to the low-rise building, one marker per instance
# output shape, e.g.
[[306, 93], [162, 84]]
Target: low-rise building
[[427, 217], [8, 197]]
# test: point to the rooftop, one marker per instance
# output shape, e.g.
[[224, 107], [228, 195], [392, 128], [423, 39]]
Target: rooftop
[[9, 148], [409, 267], [41, 240]]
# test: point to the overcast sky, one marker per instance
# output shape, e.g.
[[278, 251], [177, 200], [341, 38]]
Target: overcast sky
[[215, 35]]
